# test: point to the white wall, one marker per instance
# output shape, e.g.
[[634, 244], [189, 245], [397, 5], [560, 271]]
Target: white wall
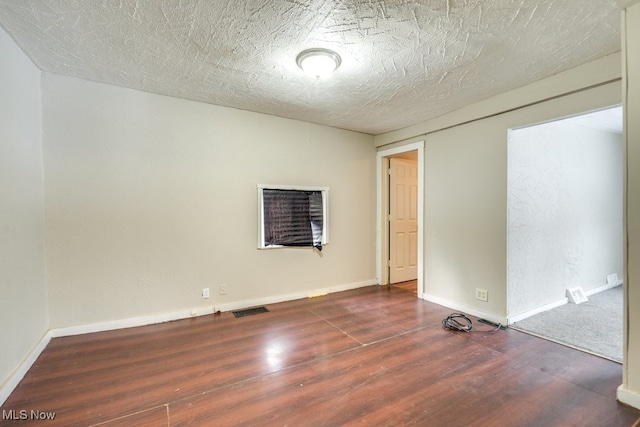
[[465, 221], [149, 199], [23, 290], [564, 212]]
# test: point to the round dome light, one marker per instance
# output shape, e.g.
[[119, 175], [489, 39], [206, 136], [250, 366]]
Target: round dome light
[[318, 62]]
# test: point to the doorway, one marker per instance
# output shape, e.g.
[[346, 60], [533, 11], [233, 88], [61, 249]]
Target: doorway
[[564, 215], [399, 257]]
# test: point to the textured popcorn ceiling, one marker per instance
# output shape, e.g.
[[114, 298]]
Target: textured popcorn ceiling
[[403, 61]]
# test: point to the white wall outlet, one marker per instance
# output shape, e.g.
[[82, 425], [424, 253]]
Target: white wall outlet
[[482, 294], [576, 295], [205, 293], [223, 289], [216, 309]]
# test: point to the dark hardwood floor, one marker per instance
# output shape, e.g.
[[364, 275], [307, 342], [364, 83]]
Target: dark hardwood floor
[[370, 356]]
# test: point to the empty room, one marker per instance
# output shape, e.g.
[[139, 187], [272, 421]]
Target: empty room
[[197, 225]]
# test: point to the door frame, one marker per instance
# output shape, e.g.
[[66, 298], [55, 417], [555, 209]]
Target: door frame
[[382, 235]]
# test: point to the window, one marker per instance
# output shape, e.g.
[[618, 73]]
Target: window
[[292, 216]]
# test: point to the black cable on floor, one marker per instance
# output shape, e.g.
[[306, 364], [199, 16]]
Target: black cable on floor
[[457, 322], [460, 322]]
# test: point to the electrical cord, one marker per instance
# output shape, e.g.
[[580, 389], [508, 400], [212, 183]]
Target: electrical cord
[[452, 323], [462, 323]]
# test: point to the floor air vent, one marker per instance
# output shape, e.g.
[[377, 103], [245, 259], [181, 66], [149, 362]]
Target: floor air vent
[[250, 311]]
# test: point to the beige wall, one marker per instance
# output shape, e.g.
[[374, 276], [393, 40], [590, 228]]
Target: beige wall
[[466, 187], [630, 390], [465, 215], [23, 290], [149, 199]]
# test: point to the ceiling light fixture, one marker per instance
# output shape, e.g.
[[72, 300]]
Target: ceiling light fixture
[[318, 62]]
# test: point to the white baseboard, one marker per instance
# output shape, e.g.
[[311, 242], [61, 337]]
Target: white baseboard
[[560, 302], [602, 288], [464, 309], [13, 381], [17, 376], [202, 311], [628, 397], [294, 296], [130, 322], [522, 316]]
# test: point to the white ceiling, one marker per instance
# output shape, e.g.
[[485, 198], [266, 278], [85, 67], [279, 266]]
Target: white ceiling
[[403, 61]]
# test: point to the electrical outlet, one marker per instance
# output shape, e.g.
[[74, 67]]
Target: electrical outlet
[[223, 289], [205, 293], [482, 294]]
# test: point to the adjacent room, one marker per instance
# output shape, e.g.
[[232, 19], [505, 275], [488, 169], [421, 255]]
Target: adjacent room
[[565, 230], [198, 225]]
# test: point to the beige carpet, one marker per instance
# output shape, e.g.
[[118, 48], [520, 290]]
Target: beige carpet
[[595, 326]]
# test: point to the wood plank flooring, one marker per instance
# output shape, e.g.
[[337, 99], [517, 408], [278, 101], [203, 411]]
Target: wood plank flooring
[[411, 286], [372, 356]]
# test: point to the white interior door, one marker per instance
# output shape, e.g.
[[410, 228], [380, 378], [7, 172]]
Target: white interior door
[[403, 220]]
